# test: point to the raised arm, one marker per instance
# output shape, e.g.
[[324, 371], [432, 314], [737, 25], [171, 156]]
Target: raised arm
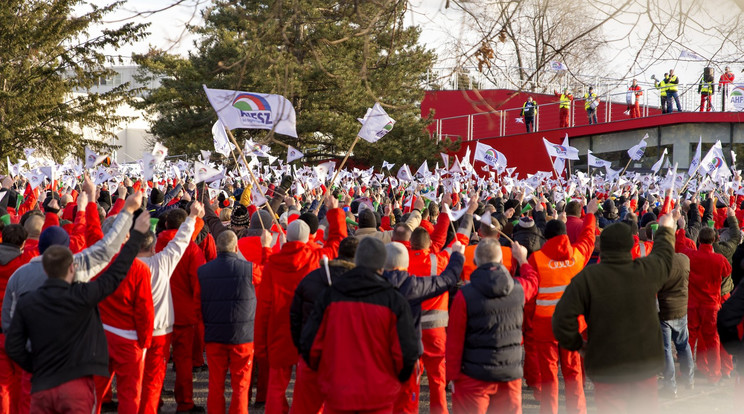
[[94, 292], [167, 259], [94, 259]]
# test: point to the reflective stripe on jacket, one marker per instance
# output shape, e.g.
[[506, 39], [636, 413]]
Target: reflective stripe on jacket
[[555, 275]]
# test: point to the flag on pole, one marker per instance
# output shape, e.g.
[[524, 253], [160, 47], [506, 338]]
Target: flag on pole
[[453, 215], [35, 178], [322, 171], [92, 159], [561, 151], [556, 66], [688, 54], [456, 168], [159, 151], [445, 159], [656, 167], [404, 173], [695, 163], [375, 124], [249, 110], [222, 144], [714, 163], [636, 151], [489, 155], [423, 170], [559, 164], [148, 165], [205, 155], [387, 165], [205, 173], [293, 154], [596, 162]]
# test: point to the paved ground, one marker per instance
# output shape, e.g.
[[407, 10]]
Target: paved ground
[[705, 398]]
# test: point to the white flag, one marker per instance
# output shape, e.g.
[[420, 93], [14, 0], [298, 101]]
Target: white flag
[[222, 144], [453, 215], [489, 155], [695, 163], [561, 151], [656, 167], [559, 164], [322, 171], [159, 151], [101, 176], [429, 194], [387, 165], [423, 170], [205, 173], [50, 171], [636, 152], [688, 54], [92, 159], [250, 110], [293, 154], [404, 173], [205, 155], [714, 164], [456, 168], [596, 162], [148, 165], [35, 178], [256, 149], [258, 200], [445, 159], [375, 124]]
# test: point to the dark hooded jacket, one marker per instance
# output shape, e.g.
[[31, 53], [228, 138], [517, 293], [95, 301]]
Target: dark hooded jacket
[[360, 340], [617, 297], [418, 289], [309, 290]]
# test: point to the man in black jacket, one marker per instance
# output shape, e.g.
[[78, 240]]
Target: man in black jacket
[[361, 321], [307, 397], [62, 322], [228, 305], [417, 290]]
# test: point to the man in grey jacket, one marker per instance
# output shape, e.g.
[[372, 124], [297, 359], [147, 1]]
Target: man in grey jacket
[[88, 263]]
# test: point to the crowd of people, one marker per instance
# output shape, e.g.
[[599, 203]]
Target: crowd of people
[[359, 289]]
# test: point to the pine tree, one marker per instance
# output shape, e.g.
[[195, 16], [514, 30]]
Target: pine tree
[[46, 55], [332, 60]]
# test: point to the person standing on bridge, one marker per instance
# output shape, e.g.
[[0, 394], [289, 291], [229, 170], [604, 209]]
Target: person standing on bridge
[[672, 92], [724, 86], [529, 110], [565, 106], [662, 86], [634, 94], [705, 89], [591, 102]]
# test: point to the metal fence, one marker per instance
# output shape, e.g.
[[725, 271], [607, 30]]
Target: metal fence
[[612, 107]]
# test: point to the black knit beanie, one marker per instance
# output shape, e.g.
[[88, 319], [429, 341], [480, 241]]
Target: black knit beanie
[[554, 228], [616, 237]]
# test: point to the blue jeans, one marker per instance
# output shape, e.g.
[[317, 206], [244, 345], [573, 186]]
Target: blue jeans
[[675, 97], [675, 331]]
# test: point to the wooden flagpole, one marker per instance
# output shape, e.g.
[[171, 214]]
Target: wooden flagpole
[[255, 182], [338, 169]]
